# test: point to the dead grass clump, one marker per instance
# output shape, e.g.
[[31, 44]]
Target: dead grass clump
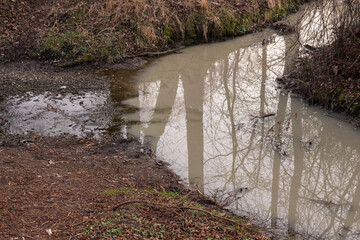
[[204, 5], [129, 27], [148, 35]]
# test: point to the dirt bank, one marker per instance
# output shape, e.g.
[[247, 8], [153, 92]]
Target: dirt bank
[[329, 76], [54, 183], [90, 31]]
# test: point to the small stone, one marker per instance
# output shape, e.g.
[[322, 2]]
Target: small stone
[[49, 232]]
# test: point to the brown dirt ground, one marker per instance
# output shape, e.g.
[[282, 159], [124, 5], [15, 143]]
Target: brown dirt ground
[[57, 183], [20, 24], [23, 76]]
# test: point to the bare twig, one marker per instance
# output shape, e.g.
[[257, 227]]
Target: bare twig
[[357, 59], [264, 116], [156, 54]]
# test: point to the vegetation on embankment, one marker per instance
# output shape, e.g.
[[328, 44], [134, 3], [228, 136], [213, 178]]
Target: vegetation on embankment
[[150, 214], [330, 75], [111, 30]]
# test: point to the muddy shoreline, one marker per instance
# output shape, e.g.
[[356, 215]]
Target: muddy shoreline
[[58, 182], [37, 77], [48, 182]]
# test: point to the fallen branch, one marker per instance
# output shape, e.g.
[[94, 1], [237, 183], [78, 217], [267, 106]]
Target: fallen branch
[[156, 54], [177, 207], [264, 116], [81, 61]]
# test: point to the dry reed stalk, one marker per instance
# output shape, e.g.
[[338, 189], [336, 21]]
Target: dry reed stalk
[[148, 33], [204, 5]]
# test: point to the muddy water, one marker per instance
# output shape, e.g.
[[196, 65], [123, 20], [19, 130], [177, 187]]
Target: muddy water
[[214, 112]]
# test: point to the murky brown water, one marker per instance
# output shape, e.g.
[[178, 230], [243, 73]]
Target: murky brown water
[[215, 113], [297, 169]]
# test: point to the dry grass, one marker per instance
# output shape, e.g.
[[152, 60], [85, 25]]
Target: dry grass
[[204, 5], [113, 29]]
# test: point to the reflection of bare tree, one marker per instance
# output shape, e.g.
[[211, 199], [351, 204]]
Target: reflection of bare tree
[[164, 102], [298, 168], [233, 92], [276, 162], [353, 213], [329, 175], [238, 95], [292, 48], [193, 98], [323, 18], [230, 100], [122, 88], [192, 82], [264, 69]]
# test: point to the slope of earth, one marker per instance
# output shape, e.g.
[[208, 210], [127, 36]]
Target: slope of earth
[[111, 30]]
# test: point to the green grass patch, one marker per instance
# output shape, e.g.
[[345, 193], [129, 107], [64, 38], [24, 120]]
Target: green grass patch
[[80, 47], [169, 35], [120, 191], [170, 194]]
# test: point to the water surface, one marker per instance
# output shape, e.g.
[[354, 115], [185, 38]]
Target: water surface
[[216, 114]]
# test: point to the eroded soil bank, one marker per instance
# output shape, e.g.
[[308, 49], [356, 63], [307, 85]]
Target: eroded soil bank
[[76, 32]]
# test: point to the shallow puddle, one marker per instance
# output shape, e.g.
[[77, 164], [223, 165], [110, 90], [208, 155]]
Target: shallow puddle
[[82, 114], [51, 114]]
